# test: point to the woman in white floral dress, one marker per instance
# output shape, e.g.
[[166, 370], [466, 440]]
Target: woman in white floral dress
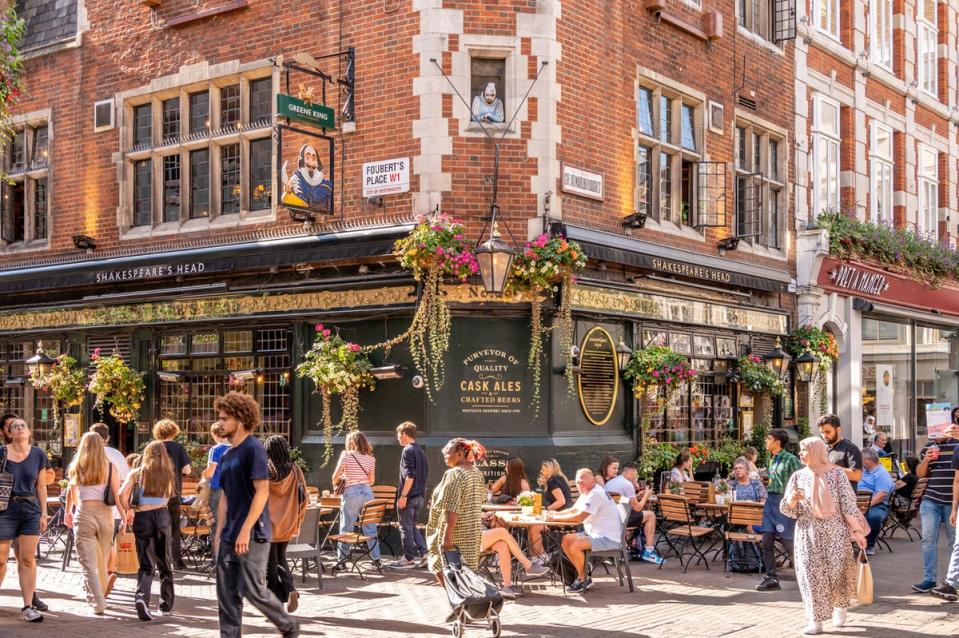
[[820, 497]]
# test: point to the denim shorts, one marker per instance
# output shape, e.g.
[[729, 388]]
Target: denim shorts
[[21, 518], [600, 543]]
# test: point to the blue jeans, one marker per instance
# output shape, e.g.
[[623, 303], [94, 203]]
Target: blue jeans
[[413, 543], [876, 516], [353, 499], [933, 515]]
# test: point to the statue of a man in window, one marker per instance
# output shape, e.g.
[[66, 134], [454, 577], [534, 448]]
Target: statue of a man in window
[[488, 107]]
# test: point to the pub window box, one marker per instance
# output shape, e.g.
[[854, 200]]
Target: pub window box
[[198, 156]]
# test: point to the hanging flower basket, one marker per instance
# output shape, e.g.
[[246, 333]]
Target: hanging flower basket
[[436, 248], [337, 367], [757, 378], [545, 264], [115, 383], [657, 367], [821, 344], [66, 382]]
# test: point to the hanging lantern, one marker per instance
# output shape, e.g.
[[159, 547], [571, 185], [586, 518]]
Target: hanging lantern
[[623, 355], [40, 364], [495, 259], [806, 366], [777, 360]]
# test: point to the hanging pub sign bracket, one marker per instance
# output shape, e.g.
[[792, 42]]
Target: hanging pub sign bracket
[[309, 105]]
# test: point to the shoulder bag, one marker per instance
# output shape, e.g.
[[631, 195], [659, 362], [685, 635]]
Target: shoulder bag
[[136, 494], [109, 498], [863, 579], [6, 480], [341, 484]]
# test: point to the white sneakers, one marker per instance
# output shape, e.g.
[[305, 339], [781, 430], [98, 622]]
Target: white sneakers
[[839, 617], [813, 629]]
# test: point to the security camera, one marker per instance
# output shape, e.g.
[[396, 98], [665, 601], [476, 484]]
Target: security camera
[[418, 381]]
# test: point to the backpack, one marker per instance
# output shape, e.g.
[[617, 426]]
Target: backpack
[[562, 567]]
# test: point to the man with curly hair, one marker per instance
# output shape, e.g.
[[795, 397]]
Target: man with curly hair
[[244, 521]]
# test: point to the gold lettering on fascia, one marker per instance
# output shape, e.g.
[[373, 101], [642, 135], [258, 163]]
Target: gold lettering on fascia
[[149, 272], [691, 270], [852, 278]]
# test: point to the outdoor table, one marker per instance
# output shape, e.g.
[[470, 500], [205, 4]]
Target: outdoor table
[[501, 507], [554, 529]]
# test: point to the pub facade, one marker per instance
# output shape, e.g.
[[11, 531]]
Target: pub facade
[[199, 208]]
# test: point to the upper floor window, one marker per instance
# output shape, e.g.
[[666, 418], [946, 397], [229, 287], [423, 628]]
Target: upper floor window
[[825, 169], [928, 214], [826, 16], [760, 193], [927, 36], [880, 32], [25, 205], [668, 154], [880, 170], [205, 159]]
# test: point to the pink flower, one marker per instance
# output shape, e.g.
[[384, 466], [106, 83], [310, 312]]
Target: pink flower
[[459, 237], [326, 332], [319, 327], [354, 347], [440, 251], [656, 373], [669, 379]]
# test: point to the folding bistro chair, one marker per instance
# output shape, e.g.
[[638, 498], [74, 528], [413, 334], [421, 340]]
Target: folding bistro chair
[[619, 556], [371, 514], [196, 534], [306, 546], [862, 500], [388, 494], [742, 515], [679, 525], [904, 511]]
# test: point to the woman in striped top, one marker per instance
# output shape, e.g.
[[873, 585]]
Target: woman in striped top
[[358, 466]]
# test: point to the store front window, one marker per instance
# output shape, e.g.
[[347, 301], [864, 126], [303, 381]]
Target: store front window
[[205, 362], [936, 363]]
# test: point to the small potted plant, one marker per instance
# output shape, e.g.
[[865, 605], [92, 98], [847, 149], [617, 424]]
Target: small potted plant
[[525, 501], [675, 487], [722, 488]]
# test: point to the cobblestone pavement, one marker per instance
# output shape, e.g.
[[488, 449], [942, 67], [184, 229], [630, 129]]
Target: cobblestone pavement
[[667, 603]]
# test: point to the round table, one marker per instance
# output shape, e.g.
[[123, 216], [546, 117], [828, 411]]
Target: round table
[[501, 507]]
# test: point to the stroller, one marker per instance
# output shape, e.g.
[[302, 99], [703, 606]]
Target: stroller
[[473, 599]]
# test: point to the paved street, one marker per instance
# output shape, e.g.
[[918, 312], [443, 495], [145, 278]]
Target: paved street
[[667, 604]]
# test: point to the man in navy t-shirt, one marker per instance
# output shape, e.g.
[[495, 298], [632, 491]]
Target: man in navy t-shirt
[[244, 521]]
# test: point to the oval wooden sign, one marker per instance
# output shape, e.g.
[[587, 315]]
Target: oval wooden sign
[[598, 379]]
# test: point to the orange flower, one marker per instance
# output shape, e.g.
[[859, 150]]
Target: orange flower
[[573, 254]]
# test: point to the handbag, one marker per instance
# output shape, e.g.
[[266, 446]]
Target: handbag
[[6, 481], [863, 579], [137, 494], [341, 484], [109, 498]]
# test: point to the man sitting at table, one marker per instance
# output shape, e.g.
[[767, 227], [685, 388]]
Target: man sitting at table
[[875, 479], [626, 487], [601, 522]]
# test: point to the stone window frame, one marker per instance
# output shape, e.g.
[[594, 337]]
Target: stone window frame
[[516, 81], [678, 96], [822, 136], [772, 178], [191, 80], [830, 28], [881, 44], [927, 184], [881, 172], [927, 32], [33, 170]]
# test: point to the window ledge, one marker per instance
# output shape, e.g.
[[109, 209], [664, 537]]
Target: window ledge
[[201, 224], [762, 251], [31, 246], [670, 228], [760, 40]]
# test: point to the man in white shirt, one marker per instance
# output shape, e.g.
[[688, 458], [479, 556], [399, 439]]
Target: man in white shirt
[[601, 522], [121, 468], [625, 486]]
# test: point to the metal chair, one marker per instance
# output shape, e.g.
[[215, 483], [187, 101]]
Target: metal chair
[[306, 546], [904, 511], [358, 541], [619, 556], [679, 524]]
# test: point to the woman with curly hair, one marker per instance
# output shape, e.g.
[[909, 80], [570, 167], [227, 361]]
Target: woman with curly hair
[[456, 507]]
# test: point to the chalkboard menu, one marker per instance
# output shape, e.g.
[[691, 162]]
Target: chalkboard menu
[[598, 380]]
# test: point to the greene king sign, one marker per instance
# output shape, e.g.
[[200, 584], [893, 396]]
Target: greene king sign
[[305, 112]]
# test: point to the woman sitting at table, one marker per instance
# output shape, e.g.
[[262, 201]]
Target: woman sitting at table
[[556, 497], [743, 485], [513, 481], [608, 470], [500, 541], [751, 456], [682, 471]]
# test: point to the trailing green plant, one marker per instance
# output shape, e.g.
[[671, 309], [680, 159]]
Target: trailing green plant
[[113, 382], [436, 248], [656, 455], [657, 367], [548, 264], [727, 451], [337, 367], [802, 428], [757, 439], [66, 382], [12, 28], [296, 455], [820, 343], [758, 379], [929, 260]]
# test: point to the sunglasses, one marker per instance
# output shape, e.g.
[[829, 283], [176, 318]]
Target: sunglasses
[[18, 425]]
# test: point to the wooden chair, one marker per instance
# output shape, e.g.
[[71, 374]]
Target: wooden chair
[[196, 532], [696, 492], [742, 515], [387, 493], [904, 511], [358, 542], [306, 546], [862, 500], [679, 524], [573, 492]]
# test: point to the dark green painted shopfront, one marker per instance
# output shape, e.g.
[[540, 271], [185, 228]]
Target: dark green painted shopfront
[[192, 318]]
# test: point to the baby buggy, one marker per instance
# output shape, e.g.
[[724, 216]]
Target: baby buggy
[[473, 599]]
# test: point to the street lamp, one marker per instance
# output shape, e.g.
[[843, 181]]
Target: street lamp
[[40, 364], [623, 355], [806, 366], [777, 360], [495, 259]]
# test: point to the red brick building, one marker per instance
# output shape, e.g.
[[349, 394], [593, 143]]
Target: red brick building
[[144, 213]]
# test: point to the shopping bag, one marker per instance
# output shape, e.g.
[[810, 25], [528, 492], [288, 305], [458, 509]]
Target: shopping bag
[[863, 579], [127, 562]]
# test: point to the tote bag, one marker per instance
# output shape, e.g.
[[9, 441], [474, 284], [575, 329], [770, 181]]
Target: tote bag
[[127, 561], [863, 579]]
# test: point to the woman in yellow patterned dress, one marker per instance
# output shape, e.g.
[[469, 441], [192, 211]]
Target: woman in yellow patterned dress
[[456, 508]]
